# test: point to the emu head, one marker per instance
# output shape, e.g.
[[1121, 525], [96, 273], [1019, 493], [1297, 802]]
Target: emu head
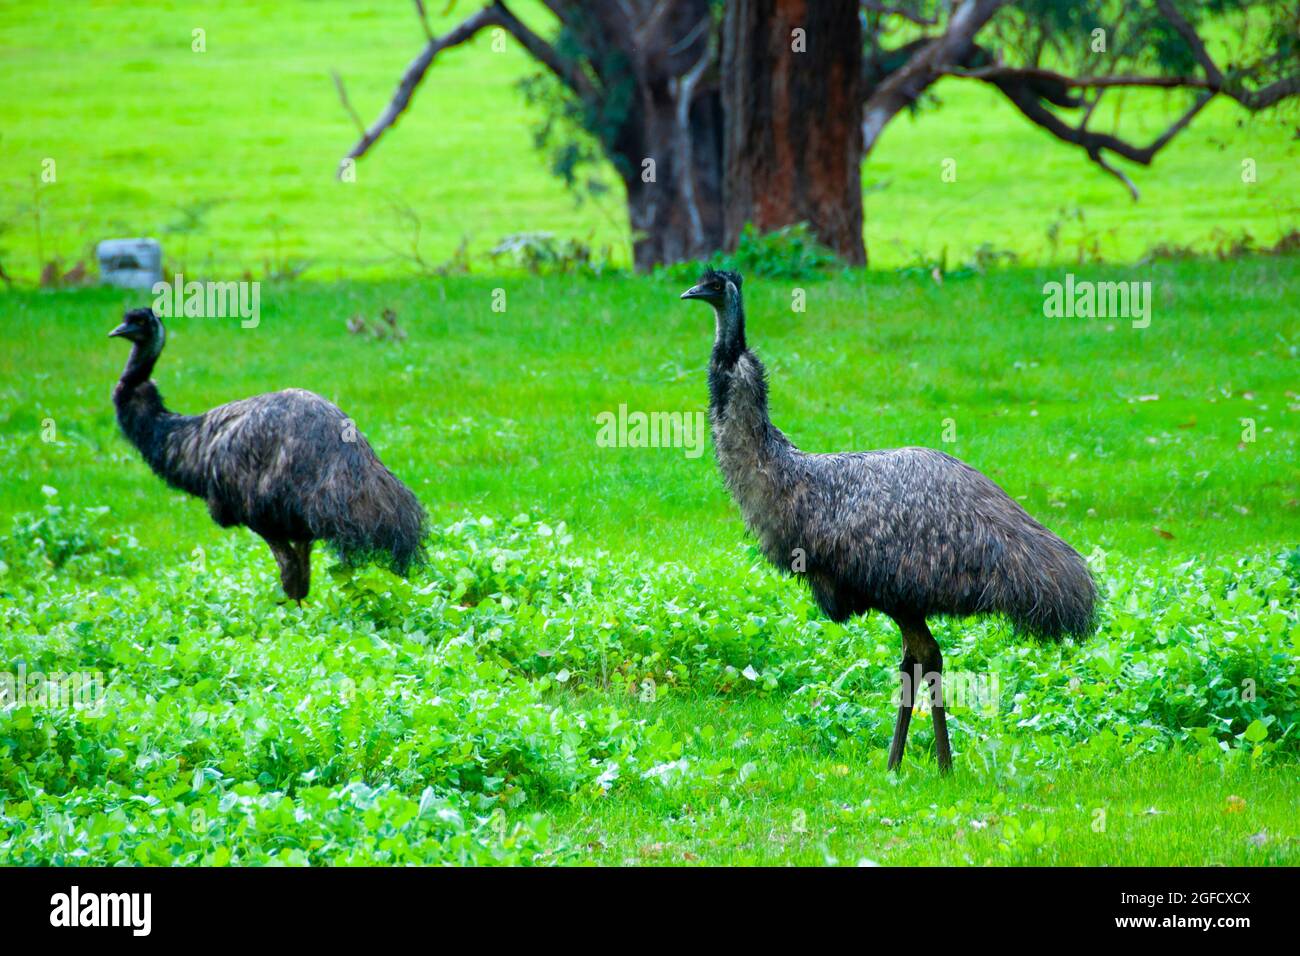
[[143, 328], [721, 289], [715, 287]]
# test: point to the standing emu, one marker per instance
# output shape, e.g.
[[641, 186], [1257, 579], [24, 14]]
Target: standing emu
[[288, 465], [911, 532]]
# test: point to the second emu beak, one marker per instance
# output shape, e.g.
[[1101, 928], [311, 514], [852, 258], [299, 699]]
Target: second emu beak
[[120, 330], [694, 292]]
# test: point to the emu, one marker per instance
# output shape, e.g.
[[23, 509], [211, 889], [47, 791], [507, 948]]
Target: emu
[[911, 532], [288, 465]]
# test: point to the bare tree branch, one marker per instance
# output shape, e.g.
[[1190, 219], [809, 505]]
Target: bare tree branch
[[1192, 39], [424, 20], [1118, 174], [347, 103], [1093, 143], [652, 20], [1028, 87], [412, 76], [990, 73], [684, 91], [562, 11], [685, 42], [1262, 99], [494, 15], [1253, 100], [905, 85], [567, 71]]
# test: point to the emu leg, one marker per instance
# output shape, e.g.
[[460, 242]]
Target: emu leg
[[292, 578], [927, 650], [942, 749], [909, 672], [923, 663], [303, 551]]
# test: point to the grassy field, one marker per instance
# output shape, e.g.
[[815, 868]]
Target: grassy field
[[1108, 430], [595, 666], [247, 135]]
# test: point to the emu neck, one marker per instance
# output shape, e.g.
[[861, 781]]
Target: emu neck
[[743, 434], [729, 338], [140, 363], [142, 416], [752, 454], [728, 347]]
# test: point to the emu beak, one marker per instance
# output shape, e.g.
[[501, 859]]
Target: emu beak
[[694, 292], [120, 330]]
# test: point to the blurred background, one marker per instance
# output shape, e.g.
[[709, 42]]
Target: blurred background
[[219, 128]]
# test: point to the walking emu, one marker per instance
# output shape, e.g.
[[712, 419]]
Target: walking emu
[[911, 532], [288, 465]]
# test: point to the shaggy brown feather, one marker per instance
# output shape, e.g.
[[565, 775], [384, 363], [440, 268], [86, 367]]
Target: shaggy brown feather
[[913, 532], [289, 465]]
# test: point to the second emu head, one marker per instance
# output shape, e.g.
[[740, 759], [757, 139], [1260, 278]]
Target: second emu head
[[721, 289], [713, 287]]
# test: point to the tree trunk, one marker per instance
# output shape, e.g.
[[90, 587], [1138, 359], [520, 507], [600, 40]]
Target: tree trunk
[[656, 64], [675, 205], [792, 74]]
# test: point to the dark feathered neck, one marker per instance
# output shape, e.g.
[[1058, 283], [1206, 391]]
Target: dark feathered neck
[[728, 348], [141, 414], [752, 454], [140, 363], [729, 333]]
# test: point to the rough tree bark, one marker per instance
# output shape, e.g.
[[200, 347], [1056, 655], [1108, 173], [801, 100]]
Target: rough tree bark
[[791, 75], [668, 149], [677, 214]]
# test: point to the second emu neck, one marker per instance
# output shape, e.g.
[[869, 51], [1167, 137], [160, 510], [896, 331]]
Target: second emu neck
[[728, 351], [748, 448], [758, 463]]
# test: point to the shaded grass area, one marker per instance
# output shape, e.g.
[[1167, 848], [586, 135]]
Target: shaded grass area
[[248, 133]]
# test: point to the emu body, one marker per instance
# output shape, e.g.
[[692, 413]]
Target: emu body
[[911, 532], [288, 465]]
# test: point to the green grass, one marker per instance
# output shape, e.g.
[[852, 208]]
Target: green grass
[[1105, 430], [617, 677], [596, 667], [809, 808], [254, 124]]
